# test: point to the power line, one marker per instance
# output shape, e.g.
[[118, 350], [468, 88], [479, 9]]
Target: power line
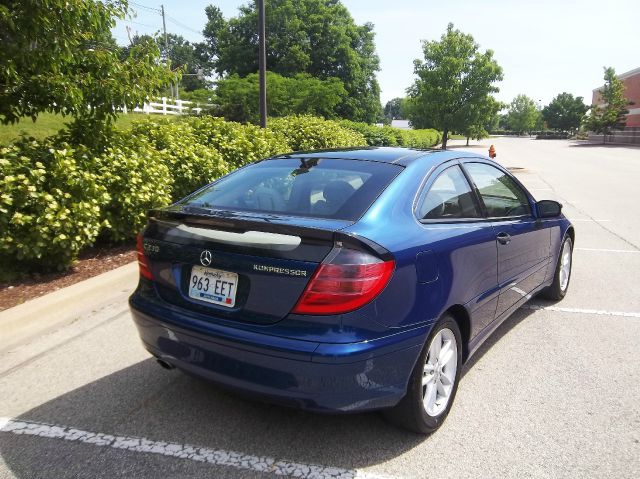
[[182, 25], [171, 19], [142, 24], [145, 7]]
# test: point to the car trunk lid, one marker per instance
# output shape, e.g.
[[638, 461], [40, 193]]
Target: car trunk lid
[[249, 267]]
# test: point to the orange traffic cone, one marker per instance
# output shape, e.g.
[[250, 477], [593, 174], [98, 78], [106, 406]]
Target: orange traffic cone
[[492, 152]]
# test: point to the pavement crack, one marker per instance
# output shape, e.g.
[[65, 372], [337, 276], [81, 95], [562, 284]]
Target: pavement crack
[[149, 399]]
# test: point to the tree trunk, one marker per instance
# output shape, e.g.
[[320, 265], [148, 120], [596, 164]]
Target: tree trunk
[[445, 133], [467, 141]]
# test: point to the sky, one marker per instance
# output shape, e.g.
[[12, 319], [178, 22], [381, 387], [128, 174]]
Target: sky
[[545, 47]]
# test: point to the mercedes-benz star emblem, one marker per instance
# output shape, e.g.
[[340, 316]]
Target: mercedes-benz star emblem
[[205, 257]]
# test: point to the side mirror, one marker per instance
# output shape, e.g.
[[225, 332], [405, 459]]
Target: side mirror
[[548, 209]]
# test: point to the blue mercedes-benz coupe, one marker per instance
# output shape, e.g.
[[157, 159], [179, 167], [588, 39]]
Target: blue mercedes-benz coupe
[[346, 280]]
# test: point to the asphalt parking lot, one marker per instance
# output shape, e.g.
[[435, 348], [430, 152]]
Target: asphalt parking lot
[[554, 393]]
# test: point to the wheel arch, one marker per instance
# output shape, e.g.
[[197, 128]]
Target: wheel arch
[[461, 316], [571, 233]]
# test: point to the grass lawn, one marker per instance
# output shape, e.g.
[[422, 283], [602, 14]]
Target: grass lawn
[[49, 124]]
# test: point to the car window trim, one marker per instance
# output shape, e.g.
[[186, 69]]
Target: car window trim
[[424, 191]]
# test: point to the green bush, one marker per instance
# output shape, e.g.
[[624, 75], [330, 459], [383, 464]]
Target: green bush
[[375, 135], [551, 135], [178, 146], [419, 138], [238, 144], [504, 133], [390, 136], [49, 206], [237, 98], [56, 199], [137, 178], [311, 133]]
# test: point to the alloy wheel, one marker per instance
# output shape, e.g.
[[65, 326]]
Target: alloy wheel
[[439, 372], [565, 265]]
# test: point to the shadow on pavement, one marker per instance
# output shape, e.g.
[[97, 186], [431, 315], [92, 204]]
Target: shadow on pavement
[[505, 328], [144, 400]]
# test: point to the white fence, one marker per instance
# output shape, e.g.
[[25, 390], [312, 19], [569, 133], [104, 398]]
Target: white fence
[[170, 107]]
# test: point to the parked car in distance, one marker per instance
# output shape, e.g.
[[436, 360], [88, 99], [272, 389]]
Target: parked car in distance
[[346, 280]]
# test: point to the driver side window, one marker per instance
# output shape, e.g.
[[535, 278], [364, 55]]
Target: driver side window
[[500, 194]]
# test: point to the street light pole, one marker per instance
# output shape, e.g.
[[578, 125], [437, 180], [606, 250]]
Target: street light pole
[[166, 45], [262, 64]]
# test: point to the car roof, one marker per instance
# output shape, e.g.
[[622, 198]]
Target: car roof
[[383, 154]]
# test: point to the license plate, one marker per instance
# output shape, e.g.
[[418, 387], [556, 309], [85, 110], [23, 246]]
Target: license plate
[[213, 286]]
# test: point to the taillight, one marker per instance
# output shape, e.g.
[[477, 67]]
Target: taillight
[[346, 280], [143, 262]]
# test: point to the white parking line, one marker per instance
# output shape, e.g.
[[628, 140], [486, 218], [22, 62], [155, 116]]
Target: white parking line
[[216, 457], [598, 312], [602, 250]]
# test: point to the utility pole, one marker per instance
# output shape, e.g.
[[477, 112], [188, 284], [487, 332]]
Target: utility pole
[[166, 45], [262, 64]]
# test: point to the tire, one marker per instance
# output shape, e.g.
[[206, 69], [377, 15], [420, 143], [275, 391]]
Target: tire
[[424, 415], [562, 275]]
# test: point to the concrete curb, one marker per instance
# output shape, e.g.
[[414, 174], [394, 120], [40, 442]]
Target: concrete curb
[[53, 310]]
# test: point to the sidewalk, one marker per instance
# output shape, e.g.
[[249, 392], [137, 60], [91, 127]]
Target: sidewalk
[[64, 306]]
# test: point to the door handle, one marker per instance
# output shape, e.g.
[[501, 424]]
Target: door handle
[[503, 238]]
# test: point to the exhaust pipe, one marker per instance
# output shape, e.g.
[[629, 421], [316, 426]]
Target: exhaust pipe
[[165, 364]]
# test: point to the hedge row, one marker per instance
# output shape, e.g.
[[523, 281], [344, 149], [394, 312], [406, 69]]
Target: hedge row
[[552, 135], [540, 135], [505, 133], [57, 198], [389, 136]]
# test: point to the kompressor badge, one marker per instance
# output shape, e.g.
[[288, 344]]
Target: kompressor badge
[[274, 269]]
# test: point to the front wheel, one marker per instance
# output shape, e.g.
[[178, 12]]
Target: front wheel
[[560, 285], [434, 381]]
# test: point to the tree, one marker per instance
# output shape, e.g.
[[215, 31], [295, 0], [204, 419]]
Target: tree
[[503, 121], [182, 55], [317, 37], [523, 114], [611, 115], [480, 118], [392, 110], [565, 112], [237, 98], [71, 65], [454, 78]]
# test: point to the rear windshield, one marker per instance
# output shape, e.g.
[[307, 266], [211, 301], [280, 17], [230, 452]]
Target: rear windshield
[[323, 188]]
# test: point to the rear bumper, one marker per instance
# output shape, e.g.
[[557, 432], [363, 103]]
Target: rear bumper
[[317, 376]]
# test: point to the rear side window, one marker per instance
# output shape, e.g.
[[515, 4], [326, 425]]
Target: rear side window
[[449, 197], [500, 194], [324, 188]]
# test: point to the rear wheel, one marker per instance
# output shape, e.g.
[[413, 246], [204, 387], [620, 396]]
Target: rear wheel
[[434, 381], [560, 285]]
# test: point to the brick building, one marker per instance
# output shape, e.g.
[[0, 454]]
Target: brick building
[[631, 134]]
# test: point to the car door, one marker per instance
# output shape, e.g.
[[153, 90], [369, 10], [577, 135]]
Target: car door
[[522, 243], [463, 244]]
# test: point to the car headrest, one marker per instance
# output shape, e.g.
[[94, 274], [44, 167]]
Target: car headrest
[[337, 191]]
